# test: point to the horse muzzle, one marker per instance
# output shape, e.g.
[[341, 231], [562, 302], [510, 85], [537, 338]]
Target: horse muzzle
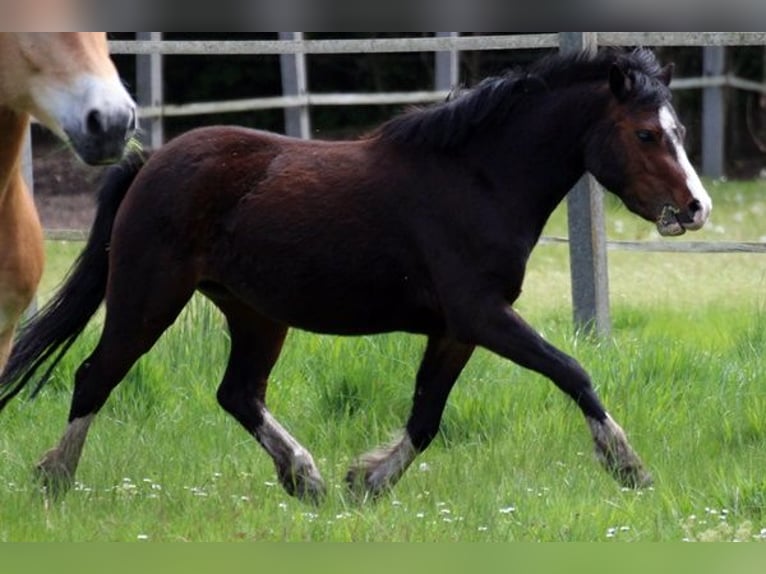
[[102, 137], [674, 221]]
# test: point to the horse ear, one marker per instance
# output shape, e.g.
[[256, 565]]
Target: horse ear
[[619, 82], [666, 74]]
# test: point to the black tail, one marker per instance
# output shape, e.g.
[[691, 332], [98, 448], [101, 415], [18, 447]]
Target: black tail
[[53, 329]]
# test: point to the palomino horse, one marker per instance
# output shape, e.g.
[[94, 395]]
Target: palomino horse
[[67, 82], [423, 226]]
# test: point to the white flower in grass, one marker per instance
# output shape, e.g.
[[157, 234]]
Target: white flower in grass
[[508, 510]]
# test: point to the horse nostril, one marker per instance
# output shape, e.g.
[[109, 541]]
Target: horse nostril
[[94, 123], [695, 206]]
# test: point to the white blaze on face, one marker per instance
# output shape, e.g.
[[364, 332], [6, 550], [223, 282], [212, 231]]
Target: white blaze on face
[[669, 124], [64, 108]]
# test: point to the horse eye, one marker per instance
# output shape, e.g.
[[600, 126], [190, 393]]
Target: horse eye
[[645, 136]]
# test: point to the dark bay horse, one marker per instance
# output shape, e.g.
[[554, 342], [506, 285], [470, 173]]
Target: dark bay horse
[[423, 226], [67, 81]]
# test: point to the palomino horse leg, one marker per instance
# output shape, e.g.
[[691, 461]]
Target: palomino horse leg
[[135, 319], [6, 339], [381, 468], [255, 346], [507, 334]]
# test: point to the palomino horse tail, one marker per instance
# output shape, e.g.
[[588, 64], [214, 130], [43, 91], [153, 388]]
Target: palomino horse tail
[[53, 329]]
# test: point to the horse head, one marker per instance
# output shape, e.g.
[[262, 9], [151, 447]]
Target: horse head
[[638, 151], [68, 82]]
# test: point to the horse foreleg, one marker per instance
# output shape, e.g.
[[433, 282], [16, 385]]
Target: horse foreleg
[[615, 453], [503, 331], [379, 469], [57, 467]]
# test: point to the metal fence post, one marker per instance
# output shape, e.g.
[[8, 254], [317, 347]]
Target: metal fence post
[[446, 66], [713, 115], [295, 83], [587, 235], [149, 92], [27, 166]]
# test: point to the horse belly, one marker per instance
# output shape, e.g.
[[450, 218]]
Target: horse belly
[[341, 304]]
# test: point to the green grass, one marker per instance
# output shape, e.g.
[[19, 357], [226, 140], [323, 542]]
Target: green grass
[[683, 373]]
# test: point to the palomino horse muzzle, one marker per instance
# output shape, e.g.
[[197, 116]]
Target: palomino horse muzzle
[[101, 138]]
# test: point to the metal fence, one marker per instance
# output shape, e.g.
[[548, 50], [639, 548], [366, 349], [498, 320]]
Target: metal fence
[[587, 237]]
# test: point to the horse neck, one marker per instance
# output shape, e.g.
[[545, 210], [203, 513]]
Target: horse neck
[[13, 127], [550, 141]]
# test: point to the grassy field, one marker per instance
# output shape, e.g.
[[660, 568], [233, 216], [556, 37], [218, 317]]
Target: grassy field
[[683, 372]]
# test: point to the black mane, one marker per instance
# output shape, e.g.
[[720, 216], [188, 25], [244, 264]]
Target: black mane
[[447, 124]]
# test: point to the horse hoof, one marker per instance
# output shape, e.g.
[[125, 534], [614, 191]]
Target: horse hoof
[[633, 477], [55, 479], [362, 486], [312, 491], [307, 486]]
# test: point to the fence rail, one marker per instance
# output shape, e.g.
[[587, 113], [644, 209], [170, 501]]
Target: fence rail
[[427, 44], [672, 246], [356, 46], [387, 98]]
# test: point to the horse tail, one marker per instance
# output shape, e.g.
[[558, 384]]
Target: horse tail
[[53, 329]]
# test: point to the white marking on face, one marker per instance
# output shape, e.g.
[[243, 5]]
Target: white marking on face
[[65, 108], [669, 124]]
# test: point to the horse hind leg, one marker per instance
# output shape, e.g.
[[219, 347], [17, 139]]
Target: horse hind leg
[[255, 346], [135, 320], [378, 470], [56, 469]]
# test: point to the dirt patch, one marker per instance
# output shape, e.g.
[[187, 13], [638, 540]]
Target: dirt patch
[[64, 187]]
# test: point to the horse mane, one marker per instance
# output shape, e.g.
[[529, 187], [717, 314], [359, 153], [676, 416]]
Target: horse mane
[[449, 123]]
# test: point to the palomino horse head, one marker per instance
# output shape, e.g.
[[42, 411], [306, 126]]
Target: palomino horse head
[[68, 82], [640, 156]]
